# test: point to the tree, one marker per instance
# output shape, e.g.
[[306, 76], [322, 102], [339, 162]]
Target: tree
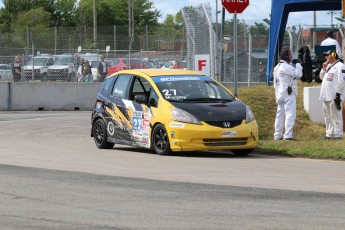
[[115, 12], [259, 29], [37, 17], [62, 11]]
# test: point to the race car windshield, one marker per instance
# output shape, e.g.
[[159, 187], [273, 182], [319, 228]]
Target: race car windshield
[[191, 88]]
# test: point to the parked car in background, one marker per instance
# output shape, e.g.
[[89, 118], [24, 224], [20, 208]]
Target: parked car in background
[[40, 66], [171, 111], [123, 63], [170, 65], [64, 68], [6, 72]]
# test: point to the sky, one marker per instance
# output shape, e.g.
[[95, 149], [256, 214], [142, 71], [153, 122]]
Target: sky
[[255, 12]]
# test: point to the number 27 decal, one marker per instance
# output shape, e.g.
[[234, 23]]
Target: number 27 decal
[[167, 92]]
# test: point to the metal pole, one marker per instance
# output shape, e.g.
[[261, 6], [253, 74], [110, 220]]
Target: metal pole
[[235, 53], [114, 41], [314, 32], [33, 59], [95, 22], [222, 47], [129, 18], [55, 41], [249, 59], [147, 37], [217, 48]]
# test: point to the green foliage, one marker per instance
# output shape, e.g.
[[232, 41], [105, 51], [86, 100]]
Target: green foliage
[[115, 12], [308, 134], [259, 29], [69, 13], [38, 18]]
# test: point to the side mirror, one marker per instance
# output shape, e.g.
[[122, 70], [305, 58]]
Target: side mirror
[[141, 99], [153, 102]]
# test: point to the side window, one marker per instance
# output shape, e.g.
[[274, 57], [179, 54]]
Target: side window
[[140, 87], [107, 84], [121, 86]]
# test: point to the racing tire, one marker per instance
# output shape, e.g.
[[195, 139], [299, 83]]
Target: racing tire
[[242, 152], [160, 140], [100, 135]]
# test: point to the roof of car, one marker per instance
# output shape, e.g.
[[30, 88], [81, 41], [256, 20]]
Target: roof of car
[[159, 72]]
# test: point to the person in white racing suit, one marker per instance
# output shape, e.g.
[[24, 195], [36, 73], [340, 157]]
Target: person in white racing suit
[[329, 41], [285, 85], [332, 75]]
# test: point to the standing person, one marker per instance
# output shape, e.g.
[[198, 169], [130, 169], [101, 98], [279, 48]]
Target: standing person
[[17, 69], [86, 70], [285, 86], [102, 69], [329, 41], [177, 64], [332, 75]]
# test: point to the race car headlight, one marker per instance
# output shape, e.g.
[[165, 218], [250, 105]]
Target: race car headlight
[[183, 116], [249, 114]]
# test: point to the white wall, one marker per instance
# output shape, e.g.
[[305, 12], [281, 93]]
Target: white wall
[[312, 104]]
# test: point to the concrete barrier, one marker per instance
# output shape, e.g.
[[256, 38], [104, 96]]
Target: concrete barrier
[[4, 96], [312, 104], [48, 95]]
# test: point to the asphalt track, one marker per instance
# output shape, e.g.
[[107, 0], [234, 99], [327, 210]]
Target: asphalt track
[[52, 176]]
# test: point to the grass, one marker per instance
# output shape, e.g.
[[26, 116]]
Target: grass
[[308, 134]]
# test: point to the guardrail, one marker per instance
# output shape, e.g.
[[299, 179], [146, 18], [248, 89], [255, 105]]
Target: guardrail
[[32, 96]]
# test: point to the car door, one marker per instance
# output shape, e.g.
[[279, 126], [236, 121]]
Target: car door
[[120, 125], [138, 112]]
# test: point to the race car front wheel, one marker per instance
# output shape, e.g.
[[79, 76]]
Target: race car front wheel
[[160, 140], [100, 135]]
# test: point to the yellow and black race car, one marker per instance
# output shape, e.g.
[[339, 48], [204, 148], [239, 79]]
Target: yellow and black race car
[[171, 111]]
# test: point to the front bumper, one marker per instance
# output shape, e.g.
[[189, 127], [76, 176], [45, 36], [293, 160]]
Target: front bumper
[[205, 137]]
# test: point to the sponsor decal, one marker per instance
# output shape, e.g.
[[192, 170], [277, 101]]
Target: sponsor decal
[[118, 92], [229, 133], [146, 123], [98, 105], [176, 125], [111, 128], [181, 78]]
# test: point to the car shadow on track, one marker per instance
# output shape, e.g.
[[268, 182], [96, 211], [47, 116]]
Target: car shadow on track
[[196, 154]]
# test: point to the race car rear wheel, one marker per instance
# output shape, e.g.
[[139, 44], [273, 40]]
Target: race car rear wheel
[[100, 135], [242, 152], [160, 140]]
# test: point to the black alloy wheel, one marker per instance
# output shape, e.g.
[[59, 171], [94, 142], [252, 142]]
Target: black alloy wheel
[[160, 140], [100, 135]]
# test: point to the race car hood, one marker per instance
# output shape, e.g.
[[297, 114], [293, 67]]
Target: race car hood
[[235, 110]]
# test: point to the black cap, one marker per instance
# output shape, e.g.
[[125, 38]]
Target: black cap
[[330, 34]]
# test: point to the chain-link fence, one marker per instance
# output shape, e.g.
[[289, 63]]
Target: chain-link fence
[[152, 47], [157, 45]]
